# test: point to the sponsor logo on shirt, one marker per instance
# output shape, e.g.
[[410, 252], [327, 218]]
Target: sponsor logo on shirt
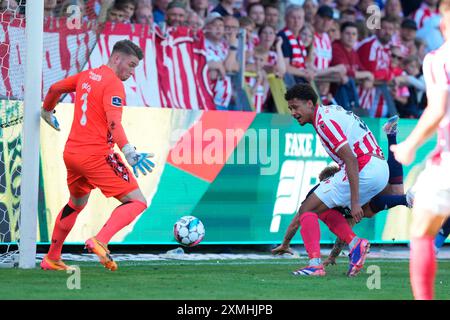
[[116, 101]]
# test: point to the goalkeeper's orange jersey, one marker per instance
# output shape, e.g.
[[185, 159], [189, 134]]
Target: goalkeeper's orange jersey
[[96, 126]]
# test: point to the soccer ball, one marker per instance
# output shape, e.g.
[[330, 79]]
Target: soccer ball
[[189, 231]]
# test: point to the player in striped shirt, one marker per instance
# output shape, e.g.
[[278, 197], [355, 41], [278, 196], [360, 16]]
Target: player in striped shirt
[[432, 200], [363, 174]]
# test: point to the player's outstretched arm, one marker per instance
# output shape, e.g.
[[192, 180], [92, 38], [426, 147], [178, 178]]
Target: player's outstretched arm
[[290, 232], [52, 98]]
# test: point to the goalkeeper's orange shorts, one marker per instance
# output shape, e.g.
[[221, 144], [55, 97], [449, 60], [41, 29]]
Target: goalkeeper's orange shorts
[[108, 173]]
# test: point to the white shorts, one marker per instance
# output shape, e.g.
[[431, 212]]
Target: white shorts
[[432, 188], [373, 178]]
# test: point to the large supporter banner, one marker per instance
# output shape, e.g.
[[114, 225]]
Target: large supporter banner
[[243, 174], [173, 73]]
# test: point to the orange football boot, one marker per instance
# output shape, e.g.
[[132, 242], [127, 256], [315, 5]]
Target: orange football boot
[[102, 252], [48, 264]]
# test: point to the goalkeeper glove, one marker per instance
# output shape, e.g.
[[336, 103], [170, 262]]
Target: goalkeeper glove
[[50, 118], [138, 161]]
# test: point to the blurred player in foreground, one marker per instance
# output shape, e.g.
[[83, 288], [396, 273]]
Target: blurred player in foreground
[[89, 156], [364, 173], [432, 199]]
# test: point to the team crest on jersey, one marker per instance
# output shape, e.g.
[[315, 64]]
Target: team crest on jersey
[[116, 101]]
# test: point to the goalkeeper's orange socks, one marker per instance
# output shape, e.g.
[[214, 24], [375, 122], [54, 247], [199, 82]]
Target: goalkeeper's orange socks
[[122, 216], [64, 223], [422, 267], [337, 224], [310, 231]]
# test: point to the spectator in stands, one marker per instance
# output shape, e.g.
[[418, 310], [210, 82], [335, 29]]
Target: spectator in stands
[[393, 9], [272, 14], [201, 7], [270, 43], [143, 3], [413, 106], [251, 38], [374, 53], [307, 36], [256, 12], [344, 53], [143, 15], [326, 97], [159, 11], [348, 15], [258, 85], [194, 21], [334, 33], [176, 14], [231, 26], [294, 49], [421, 48], [310, 7], [399, 92], [342, 5], [323, 21], [221, 59], [226, 8], [363, 12], [428, 9], [10, 5], [379, 44], [129, 6], [49, 8], [408, 32], [116, 14]]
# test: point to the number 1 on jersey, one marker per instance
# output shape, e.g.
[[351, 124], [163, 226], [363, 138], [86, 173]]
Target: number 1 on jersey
[[83, 120]]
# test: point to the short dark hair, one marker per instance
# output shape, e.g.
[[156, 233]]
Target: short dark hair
[[254, 4], [302, 91], [272, 5], [348, 24], [128, 47], [392, 20]]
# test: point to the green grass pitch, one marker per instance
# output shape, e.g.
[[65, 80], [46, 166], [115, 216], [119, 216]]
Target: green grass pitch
[[216, 279]]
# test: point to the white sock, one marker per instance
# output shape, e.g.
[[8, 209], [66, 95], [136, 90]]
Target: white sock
[[353, 242], [315, 262]]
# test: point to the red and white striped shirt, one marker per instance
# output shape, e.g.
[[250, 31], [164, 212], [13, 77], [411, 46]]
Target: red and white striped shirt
[[375, 57], [337, 127], [423, 13], [323, 50], [222, 88], [436, 70]]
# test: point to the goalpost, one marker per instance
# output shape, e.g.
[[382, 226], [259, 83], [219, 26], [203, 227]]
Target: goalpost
[[40, 43], [31, 129]]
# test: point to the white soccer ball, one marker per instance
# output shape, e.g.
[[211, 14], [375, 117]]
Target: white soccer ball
[[189, 231]]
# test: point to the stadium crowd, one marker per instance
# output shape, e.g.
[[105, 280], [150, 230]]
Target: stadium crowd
[[364, 55]]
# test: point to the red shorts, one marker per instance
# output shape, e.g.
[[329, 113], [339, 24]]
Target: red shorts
[[108, 173]]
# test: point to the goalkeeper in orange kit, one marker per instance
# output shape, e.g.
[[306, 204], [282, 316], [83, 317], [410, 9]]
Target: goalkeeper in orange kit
[[89, 156]]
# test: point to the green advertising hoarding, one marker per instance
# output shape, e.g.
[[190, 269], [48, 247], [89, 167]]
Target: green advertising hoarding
[[254, 196], [243, 174]]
